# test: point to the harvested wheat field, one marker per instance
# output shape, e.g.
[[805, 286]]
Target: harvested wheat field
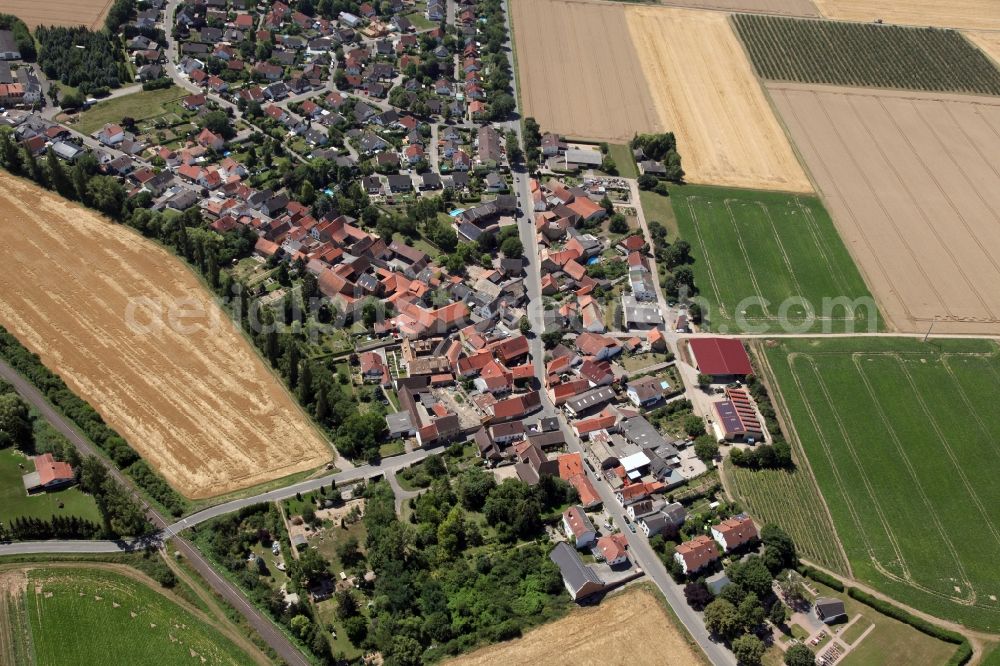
[[783, 7], [194, 399], [707, 94], [581, 79], [625, 621], [970, 14], [88, 13], [989, 42], [912, 181]]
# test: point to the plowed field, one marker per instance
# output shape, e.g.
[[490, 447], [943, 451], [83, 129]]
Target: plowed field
[[193, 397]]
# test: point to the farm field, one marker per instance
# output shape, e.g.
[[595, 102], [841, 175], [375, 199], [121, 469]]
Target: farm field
[[856, 54], [765, 262], [88, 13], [786, 7], [86, 615], [190, 395], [907, 177], [15, 502], [982, 14], [568, 84], [790, 499], [988, 42], [623, 620], [145, 105], [706, 93], [901, 436]]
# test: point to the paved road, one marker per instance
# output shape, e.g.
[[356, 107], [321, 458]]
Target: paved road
[[267, 630]]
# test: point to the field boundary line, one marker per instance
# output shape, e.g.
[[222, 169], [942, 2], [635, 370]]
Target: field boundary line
[[968, 403], [947, 447], [971, 144], [784, 417], [894, 437], [839, 279], [872, 495], [781, 247], [746, 256]]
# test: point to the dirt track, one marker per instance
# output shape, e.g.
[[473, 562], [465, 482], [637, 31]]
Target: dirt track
[[971, 14], [579, 71], [89, 13], [785, 7], [201, 407], [627, 628], [913, 183], [705, 91]]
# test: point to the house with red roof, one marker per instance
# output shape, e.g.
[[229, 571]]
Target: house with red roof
[[696, 554], [735, 532], [49, 474], [613, 549], [572, 471], [723, 359]]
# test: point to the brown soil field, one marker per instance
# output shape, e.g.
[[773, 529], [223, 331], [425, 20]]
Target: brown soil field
[[783, 7], [579, 73], [913, 184], [707, 94], [988, 42], [89, 13], [189, 393], [970, 14], [620, 628]]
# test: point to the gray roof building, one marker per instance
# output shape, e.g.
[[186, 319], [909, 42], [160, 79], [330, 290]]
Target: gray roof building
[[580, 580]]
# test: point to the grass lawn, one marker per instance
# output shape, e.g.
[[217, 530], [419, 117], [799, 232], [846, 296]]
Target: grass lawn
[[901, 436], [86, 616], [766, 261], [659, 208], [790, 499], [14, 501], [637, 362], [853, 632], [393, 448], [141, 106], [622, 155]]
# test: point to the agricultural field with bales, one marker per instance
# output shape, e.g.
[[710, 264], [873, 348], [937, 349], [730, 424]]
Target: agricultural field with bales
[[853, 54], [900, 435]]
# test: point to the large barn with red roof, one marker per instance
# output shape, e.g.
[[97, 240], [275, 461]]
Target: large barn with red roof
[[720, 358]]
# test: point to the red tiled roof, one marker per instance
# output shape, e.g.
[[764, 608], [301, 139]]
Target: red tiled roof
[[50, 470], [720, 356]]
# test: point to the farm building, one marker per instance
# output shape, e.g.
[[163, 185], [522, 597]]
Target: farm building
[[580, 580], [737, 418], [830, 611], [723, 359], [49, 474]]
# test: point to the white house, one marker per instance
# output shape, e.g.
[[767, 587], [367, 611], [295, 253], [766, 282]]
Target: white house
[[613, 549], [578, 527]]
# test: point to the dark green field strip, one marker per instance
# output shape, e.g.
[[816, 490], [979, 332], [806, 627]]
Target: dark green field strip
[[765, 259], [866, 54], [901, 436]]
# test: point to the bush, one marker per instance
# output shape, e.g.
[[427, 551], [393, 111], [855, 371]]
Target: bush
[[820, 577], [158, 84]]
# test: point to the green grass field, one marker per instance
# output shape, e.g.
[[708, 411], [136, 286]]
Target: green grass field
[[790, 499], [14, 501], [91, 616], [769, 262], [143, 105], [622, 155], [902, 438]]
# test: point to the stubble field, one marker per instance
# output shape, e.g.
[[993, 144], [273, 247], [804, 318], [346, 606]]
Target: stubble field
[[88, 13], [983, 14], [901, 436], [912, 181], [192, 397], [612, 70], [624, 620], [583, 79]]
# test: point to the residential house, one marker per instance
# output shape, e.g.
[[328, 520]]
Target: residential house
[[696, 554], [734, 532], [578, 527]]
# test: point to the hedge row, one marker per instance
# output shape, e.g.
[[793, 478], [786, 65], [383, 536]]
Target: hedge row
[[820, 577], [961, 656], [86, 418]]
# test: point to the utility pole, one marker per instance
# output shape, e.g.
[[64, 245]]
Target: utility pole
[[930, 328]]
